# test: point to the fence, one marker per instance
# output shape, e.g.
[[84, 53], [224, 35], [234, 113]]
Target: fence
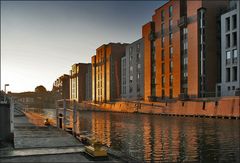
[[66, 115]]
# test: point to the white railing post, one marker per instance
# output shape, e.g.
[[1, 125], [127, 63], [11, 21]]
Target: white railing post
[[11, 115], [64, 114]]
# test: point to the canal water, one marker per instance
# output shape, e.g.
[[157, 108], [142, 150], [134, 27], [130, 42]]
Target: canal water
[[165, 139]]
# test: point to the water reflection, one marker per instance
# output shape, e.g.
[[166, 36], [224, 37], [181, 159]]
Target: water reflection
[[173, 139]]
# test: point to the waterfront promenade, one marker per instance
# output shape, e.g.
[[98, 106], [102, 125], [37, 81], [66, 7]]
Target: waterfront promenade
[[38, 143]]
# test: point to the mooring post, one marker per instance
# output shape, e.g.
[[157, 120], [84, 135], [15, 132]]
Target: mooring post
[[11, 115], [74, 117], [64, 114]]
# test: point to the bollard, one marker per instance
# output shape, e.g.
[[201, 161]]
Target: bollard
[[60, 118]]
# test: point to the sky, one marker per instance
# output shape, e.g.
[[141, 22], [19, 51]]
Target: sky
[[40, 40]]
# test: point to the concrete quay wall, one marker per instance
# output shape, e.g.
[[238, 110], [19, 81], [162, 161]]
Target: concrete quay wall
[[226, 107]]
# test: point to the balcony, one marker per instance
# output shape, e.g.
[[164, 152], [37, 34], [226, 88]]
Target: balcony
[[228, 61], [234, 60], [152, 36], [182, 22]]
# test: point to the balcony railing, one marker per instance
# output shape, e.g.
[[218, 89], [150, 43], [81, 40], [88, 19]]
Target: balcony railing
[[182, 22], [234, 60], [228, 61]]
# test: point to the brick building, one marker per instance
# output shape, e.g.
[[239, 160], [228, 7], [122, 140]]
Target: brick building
[[106, 72], [61, 85], [180, 49], [78, 82]]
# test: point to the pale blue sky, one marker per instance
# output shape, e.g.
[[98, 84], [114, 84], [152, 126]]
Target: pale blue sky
[[41, 40]]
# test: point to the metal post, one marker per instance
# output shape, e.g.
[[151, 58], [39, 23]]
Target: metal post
[[57, 118], [5, 90], [74, 117], [64, 114], [11, 115]]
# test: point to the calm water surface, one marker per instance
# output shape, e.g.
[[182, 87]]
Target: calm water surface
[[165, 139], [171, 139]]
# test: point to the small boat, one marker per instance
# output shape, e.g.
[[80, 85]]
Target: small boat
[[96, 150]]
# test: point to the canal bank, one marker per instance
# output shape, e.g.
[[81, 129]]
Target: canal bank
[[226, 107], [35, 142]]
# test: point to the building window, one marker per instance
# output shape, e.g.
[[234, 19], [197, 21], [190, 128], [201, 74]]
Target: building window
[[131, 68], [235, 56], [234, 23], [185, 76], [170, 38], [234, 73], [138, 88], [131, 79], [130, 89], [163, 81], [228, 41], [163, 41], [227, 24], [170, 25], [229, 88], [228, 77], [170, 11], [130, 50], [171, 80], [138, 47], [139, 66], [163, 68], [162, 29], [163, 93], [171, 52], [162, 15], [162, 54], [171, 66], [130, 58], [228, 57], [138, 56], [185, 45], [171, 93], [234, 34], [185, 61]]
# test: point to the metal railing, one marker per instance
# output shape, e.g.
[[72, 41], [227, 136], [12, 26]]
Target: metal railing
[[66, 115]]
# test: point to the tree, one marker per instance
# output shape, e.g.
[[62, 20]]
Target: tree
[[40, 89]]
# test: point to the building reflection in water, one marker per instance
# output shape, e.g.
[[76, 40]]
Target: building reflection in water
[[157, 138]]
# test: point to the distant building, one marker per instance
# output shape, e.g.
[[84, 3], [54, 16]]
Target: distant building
[[61, 85], [106, 72], [78, 82], [132, 71], [230, 46], [36, 99], [88, 89], [181, 49]]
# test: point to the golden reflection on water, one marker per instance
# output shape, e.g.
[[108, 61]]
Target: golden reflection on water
[[159, 138]]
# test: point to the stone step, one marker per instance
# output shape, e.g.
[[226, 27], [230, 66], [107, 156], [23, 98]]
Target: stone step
[[39, 151]]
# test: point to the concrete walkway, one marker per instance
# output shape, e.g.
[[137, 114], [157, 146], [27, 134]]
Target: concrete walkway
[[43, 144]]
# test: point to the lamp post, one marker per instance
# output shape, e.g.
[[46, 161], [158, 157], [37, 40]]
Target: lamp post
[[5, 90]]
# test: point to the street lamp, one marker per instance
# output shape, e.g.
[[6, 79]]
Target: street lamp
[[5, 90]]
